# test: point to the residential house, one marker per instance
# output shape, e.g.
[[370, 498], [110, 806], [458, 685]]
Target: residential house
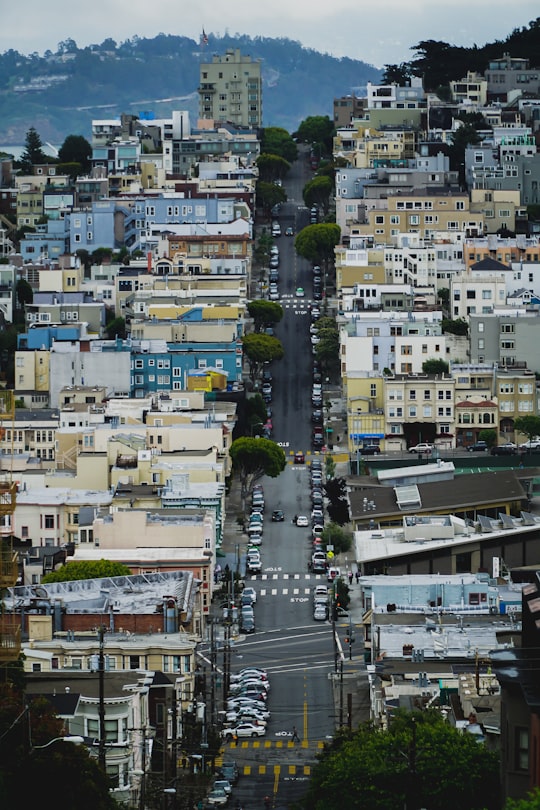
[[230, 89]]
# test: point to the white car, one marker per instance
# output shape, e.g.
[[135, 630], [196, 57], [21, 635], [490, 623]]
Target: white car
[[300, 293], [245, 716], [423, 447], [223, 784], [217, 797], [302, 520], [252, 593], [533, 444], [243, 730]]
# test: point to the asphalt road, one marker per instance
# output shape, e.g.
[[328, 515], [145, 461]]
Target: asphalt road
[[297, 652]]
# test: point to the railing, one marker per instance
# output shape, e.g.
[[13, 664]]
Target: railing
[[10, 638]]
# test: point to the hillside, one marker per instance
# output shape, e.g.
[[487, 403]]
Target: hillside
[[60, 93]]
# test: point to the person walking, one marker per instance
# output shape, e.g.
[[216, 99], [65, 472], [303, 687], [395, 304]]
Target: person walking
[[350, 575], [357, 576], [295, 737]]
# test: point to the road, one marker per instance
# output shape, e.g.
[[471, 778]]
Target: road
[[297, 652]]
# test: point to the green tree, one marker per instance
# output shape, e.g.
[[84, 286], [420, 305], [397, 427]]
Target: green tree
[[261, 254], [25, 768], [256, 413], [317, 129], [33, 152], [87, 569], [316, 243], [272, 167], [335, 535], [489, 436], [329, 466], [318, 192], [277, 141], [327, 350], [253, 458], [116, 328], [338, 508], [459, 326], [264, 313], [435, 366], [260, 349], [397, 74], [24, 293], [268, 194], [532, 802], [419, 761], [528, 425], [76, 149]]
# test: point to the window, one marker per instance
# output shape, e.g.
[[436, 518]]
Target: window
[[427, 394], [412, 411], [522, 749], [48, 522], [427, 411]]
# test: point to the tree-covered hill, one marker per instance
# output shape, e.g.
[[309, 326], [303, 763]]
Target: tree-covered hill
[[60, 93]]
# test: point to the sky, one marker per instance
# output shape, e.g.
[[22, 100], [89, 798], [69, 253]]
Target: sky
[[379, 32]]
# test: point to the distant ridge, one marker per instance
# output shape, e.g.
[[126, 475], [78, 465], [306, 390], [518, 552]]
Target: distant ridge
[[60, 93]]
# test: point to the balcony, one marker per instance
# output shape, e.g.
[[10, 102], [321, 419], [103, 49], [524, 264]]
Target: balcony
[[10, 639], [9, 566]]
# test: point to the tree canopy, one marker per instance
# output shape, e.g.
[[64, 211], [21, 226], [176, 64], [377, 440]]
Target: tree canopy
[[335, 535], [87, 569], [435, 366], [260, 349], [419, 761], [318, 191], [268, 194], [528, 425], [253, 458], [317, 129], [316, 243], [264, 313], [33, 152], [338, 508], [277, 141], [272, 167]]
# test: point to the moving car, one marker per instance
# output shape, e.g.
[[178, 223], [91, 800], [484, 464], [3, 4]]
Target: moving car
[[229, 770], [289, 231], [300, 293], [302, 520], [247, 624], [223, 784], [278, 516], [320, 612], [299, 458], [423, 447], [217, 797], [252, 593]]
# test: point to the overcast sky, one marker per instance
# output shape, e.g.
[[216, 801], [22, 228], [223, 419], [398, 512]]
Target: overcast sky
[[378, 32]]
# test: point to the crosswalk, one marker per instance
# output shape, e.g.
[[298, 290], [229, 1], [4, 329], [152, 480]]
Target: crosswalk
[[308, 748]]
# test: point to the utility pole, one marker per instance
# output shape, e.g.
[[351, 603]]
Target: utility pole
[[101, 672], [341, 693]]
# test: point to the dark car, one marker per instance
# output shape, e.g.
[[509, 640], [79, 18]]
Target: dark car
[[247, 624], [504, 450], [299, 458], [316, 400], [478, 447], [317, 294], [370, 450], [229, 770], [278, 516]]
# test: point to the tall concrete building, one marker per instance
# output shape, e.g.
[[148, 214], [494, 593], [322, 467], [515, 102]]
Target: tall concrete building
[[230, 89]]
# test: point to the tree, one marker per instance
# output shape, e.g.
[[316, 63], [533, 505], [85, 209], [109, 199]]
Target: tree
[[419, 761], [327, 349], [334, 535], [76, 149], [338, 508], [116, 328], [532, 802], [264, 313], [87, 569], [268, 194], [316, 243], [261, 254], [397, 74], [256, 413], [317, 129], [272, 167], [435, 366], [260, 349], [33, 152], [329, 467], [459, 326], [24, 293], [318, 191], [489, 436], [528, 425], [25, 769], [277, 141], [253, 458]]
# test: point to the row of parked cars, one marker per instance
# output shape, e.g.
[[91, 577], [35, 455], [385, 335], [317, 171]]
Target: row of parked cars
[[255, 532], [246, 713]]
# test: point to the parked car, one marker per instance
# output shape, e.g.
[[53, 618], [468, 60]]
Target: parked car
[[532, 444], [370, 450], [247, 624], [478, 447], [243, 730], [320, 612], [229, 770], [223, 784], [423, 447], [504, 450]]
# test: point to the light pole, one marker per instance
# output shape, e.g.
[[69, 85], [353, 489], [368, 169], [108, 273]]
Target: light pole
[[75, 739]]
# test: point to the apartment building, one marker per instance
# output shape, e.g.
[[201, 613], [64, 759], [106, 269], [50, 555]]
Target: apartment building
[[479, 289], [419, 408], [230, 89], [505, 337]]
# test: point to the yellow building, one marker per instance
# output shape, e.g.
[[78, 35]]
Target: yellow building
[[365, 411], [365, 148], [359, 265], [32, 377], [498, 207]]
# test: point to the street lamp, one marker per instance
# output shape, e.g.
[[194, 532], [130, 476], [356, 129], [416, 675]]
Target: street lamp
[[75, 739]]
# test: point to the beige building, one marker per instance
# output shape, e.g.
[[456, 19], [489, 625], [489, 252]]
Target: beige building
[[472, 89], [419, 408], [230, 89], [365, 147], [32, 370], [365, 410], [422, 214], [499, 207], [358, 264]]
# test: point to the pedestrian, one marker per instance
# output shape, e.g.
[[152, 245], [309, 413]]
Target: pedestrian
[[295, 737], [357, 575], [350, 575]]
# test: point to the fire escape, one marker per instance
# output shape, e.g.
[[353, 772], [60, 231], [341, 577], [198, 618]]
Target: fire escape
[[10, 631]]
